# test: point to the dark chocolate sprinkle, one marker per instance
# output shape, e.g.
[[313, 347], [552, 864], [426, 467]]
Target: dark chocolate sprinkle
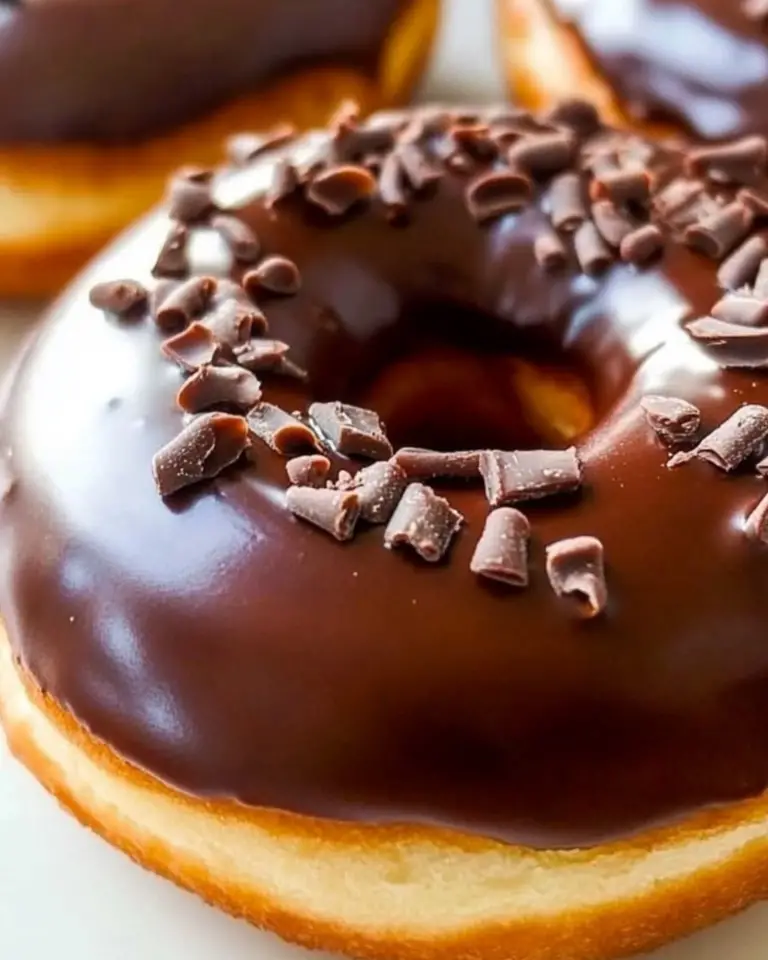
[[379, 488], [185, 302], [352, 431], [419, 463], [211, 385], [238, 237], [591, 251], [339, 189], [310, 470], [742, 309], [674, 420], [207, 445], [742, 435], [279, 430], [717, 233], [172, 259], [741, 267], [194, 347], [549, 251], [243, 148], [576, 572], [121, 297], [495, 194], [641, 244], [738, 162], [276, 275], [732, 344], [334, 511], [423, 521], [566, 202], [528, 474], [502, 550]]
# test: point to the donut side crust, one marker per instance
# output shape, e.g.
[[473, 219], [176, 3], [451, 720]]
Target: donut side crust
[[395, 891]]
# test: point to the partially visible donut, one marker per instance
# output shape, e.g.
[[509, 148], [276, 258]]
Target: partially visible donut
[[518, 710], [87, 141], [700, 65]]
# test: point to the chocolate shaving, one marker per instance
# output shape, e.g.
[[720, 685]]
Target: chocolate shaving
[[741, 267], [121, 297], [591, 251], [580, 115], [238, 236], [419, 463], [189, 196], [673, 420], [729, 445], [513, 476], [207, 445], [352, 431], [738, 162], [194, 347], [622, 186], [423, 521], [543, 154], [495, 194], [742, 309], [185, 302], [732, 344], [274, 275], [566, 202], [262, 355], [172, 259], [281, 432], [717, 233], [244, 148], [641, 244], [756, 524], [211, 385], [549, 251], [333, 511], [234, 323], [379, 488], [502, 550], [576, 572], [339, 189], [612, 223], [310, 470], [285, 181]]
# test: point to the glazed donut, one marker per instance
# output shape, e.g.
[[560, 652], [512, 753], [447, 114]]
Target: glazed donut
[[87, 141], [700, 66], [383, 537]]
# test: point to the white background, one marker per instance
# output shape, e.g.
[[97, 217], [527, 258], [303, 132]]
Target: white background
[[65, 893]]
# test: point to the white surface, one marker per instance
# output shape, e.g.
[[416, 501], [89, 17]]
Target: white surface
[[65, 893]]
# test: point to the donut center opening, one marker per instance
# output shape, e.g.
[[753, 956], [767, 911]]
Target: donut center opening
[[455, 379]]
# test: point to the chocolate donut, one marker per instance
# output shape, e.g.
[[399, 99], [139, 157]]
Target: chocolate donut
[[396, 506], [700, 65], [87, 140]]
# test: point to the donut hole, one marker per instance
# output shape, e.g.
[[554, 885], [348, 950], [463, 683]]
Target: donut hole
[[457, 380]]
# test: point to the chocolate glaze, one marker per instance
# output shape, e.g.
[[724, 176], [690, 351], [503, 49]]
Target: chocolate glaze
[[96, 70], [233, 651], [702, 63]]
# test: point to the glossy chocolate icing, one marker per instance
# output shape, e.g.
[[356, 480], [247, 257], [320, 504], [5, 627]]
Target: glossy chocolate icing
[[234, 651], [702, 63], [117, 69]]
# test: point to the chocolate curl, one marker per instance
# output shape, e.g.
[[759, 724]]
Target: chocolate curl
[[379, 488], [580, 115], [622, 186], [732, 344], [740, 162], [333, 511], [423, 521], [244, 148], [591, 251], [717, 233], [741, 309], [673, 420], [279, 430], [502, 550], [756, 524], [285, 181], [207, 445], [184, 302], [262, 356], [576, 572], [308, 471], [543, 154], [189, 195], [234, 323], [641, 244], [729, 445], [121, 297], [172, 260], [612, 223], [549, 251], [419, 463], [209, 386], [274, 275], [352, 431], [760, 289], [519, 475], [740, 268], [566, 202], [494, 194], [194, 347], [339, 189], [240, 240]]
